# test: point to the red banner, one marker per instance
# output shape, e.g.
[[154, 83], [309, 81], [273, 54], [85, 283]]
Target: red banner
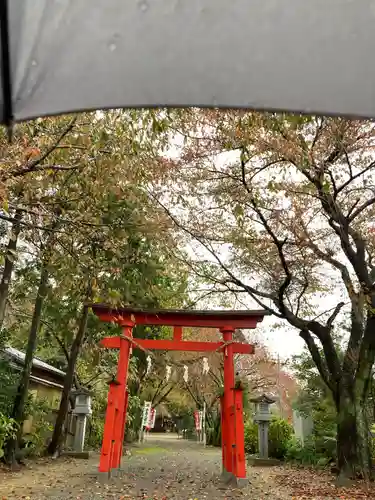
[[198, 420]]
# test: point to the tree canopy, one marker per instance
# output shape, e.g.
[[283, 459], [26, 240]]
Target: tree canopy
[[278, 210], [181, 208]]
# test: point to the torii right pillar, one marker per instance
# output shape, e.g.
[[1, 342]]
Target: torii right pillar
[[232, 429]]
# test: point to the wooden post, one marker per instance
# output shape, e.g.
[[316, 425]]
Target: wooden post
[[240, 462], [120, 415], [228, 399], [223, 435], [126, 407], [204, 437], [125, 415], [109, 422], [177, 333]]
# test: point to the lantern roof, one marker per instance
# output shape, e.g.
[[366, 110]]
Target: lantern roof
[[263, 398]]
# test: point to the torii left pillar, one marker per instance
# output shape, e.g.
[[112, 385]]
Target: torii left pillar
[[115, 419]]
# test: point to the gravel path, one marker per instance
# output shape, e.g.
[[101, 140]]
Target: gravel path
[[163, 468]]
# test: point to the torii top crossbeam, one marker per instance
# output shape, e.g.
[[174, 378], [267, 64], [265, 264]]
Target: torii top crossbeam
[[173, 317], [223, 320]]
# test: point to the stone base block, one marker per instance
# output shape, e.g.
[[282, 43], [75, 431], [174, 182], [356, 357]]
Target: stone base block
[[241, 482], [102, 477], [230, 479], [117, 473], [263, 462], [77, 454], [226, 476]]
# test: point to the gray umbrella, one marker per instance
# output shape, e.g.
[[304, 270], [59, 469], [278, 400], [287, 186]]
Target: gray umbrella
[[311, 56]]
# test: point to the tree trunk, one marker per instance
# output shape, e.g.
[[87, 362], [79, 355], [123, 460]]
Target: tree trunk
[[353, 447], [9, 264], [164, 396], [23, 387], [68, 382], [353, 403], [349, 386]]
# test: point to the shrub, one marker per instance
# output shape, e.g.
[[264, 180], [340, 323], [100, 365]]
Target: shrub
[[320, 447], [8, 429], [33, 444], [94, 436], [325, 446], [302, 454], [8, 387], [372, 441], [188, 420], [133, 419], [279, 435], [308, 453], [251, 437], [213, 433]]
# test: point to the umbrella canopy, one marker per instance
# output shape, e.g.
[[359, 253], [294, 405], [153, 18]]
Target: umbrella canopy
[[311, 56]]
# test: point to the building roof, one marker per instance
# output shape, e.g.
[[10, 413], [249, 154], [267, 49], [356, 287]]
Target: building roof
[[19, 357]]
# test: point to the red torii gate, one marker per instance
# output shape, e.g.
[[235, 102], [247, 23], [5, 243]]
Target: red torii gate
[[232, 427]]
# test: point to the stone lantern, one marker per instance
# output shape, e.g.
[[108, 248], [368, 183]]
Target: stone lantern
[[262, 417], [81, 409]]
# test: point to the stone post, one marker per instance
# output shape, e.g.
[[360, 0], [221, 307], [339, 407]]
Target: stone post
[[79, 435], [263, 439], [262, 417], [81, 410]]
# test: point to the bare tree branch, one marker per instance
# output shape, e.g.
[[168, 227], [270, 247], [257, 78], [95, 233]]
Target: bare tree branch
[[355, 176], [361, 208], [340, 223], [335, 313], [35, 165]]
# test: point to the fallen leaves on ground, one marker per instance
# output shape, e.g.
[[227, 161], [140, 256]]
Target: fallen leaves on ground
[[313, 484], [173, 470]]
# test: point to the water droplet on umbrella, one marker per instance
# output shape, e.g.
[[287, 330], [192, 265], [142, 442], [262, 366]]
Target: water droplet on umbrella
[[112, 47], [34, 63]]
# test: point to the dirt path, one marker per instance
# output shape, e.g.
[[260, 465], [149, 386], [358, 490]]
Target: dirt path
[[163, 468], [159, 469]]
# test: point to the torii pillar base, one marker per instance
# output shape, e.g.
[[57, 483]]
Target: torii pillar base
[[231, 480]]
